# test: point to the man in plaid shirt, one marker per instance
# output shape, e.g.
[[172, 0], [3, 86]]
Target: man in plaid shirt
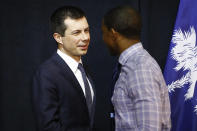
[[140, 95]]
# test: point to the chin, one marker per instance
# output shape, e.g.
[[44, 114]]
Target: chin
[[83, 53]]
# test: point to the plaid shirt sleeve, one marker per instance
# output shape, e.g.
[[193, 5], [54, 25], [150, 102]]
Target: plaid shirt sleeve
[[146, 94]]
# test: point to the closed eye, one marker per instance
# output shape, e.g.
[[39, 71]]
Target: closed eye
[[87, 30], [76, 32]]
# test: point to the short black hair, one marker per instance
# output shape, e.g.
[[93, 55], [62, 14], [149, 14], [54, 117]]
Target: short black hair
[[125, 20], [62, 13]]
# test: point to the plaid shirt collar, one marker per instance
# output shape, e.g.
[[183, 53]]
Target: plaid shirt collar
[[132, 50]]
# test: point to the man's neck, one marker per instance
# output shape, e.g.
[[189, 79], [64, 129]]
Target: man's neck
[[126, 43]]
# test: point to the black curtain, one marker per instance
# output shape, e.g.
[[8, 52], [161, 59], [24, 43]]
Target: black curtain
[[26, 41]]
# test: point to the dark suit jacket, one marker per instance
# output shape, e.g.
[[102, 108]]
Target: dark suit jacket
[[58, 100]]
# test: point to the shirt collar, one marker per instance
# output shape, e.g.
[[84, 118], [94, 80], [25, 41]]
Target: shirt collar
[[73, 64], [132, 50]]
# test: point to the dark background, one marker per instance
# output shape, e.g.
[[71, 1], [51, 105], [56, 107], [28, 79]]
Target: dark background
[[26, 41]]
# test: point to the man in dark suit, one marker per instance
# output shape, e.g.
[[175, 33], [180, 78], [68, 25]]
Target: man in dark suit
[[63, 93]]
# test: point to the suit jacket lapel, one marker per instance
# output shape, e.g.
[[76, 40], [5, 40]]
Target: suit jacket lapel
[[69, 75], [67, 72]]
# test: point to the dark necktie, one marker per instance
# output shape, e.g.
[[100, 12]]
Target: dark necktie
[[87, 88], [116, 73]]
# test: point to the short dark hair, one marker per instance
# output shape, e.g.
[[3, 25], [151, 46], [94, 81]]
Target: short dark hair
[[62, 13], [125, 20]]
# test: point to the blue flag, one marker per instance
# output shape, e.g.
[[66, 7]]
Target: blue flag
[[181, 68]]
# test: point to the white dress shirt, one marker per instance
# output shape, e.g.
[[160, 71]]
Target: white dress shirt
[[73, 65]]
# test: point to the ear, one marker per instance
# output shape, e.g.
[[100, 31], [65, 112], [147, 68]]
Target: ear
[[115, 34], [58, 38]]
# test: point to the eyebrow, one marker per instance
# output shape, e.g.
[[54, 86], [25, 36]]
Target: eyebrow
[[79, 30]]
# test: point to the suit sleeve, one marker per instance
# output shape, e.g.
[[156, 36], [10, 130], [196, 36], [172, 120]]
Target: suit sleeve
[[45, 103]]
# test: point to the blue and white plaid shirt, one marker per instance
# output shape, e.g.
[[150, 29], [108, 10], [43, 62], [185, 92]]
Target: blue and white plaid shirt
[[140, 97]]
